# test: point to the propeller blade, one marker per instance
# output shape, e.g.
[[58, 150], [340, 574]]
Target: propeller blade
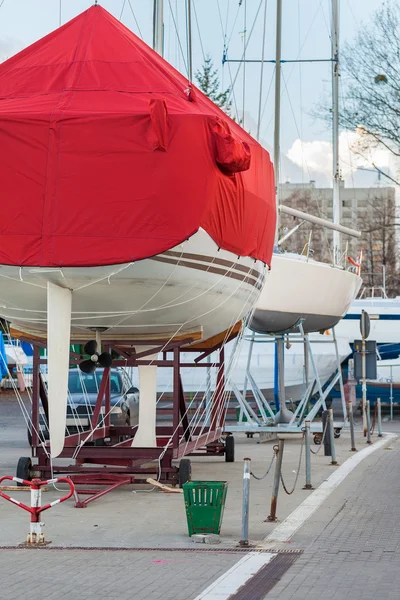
[[90, 347], [105, 359], [59, 305], [87, 366]]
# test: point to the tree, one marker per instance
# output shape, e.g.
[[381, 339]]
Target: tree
[[371, 94], [208, 81], [379, 227]]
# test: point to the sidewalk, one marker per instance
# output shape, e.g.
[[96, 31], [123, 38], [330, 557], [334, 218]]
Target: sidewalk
[[352, 547]]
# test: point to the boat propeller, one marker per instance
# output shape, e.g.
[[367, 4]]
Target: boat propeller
[[96, 359]]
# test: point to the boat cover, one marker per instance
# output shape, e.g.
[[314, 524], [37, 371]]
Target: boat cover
[[108, 155]]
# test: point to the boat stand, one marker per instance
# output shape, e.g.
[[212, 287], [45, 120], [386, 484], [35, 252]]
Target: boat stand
[[104, 456], [263, 419]]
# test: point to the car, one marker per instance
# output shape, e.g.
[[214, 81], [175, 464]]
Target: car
[[83, 389]]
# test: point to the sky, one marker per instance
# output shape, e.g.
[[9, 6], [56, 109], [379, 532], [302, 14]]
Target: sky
[[305, 141]]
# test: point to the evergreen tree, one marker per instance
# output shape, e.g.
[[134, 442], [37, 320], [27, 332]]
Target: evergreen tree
[[208, 81]]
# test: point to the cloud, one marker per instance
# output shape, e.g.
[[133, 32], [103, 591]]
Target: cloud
[[316, 156]]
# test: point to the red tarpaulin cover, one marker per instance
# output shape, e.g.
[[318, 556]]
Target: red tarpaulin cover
[[106, 157]]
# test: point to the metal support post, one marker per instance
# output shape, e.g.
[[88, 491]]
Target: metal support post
[[308, 485], [379, 418], [342, 394], [277, 479], [246, 497], [364, 385], [326, 434], [332, 436], [391, 394], [368, 414], [351, 421]]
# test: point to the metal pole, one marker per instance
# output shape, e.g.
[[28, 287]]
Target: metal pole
[[306, 362], [158, 41], [262, 71], [288, 210], [277, 107], [336, 207], [59, 13], [277, 479], [189, 38], [368, 423], [246, 496], [308, 485], [332, 436], [244, 60], [391, 394], [351, 421], [379, 418], [342, 395], [284, 415], [208, 392], [249, 356], [364, 385]]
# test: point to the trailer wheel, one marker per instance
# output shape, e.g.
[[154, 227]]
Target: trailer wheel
[[317, 439], [24, 469], [185, 471], [230, 449], [336, 433]]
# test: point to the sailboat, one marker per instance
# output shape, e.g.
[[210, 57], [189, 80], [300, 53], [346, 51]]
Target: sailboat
[[132, 205], [301, 289]]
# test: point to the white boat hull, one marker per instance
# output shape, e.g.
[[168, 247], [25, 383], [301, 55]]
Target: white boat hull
[[384, 316], [193, 286], [315, 292]]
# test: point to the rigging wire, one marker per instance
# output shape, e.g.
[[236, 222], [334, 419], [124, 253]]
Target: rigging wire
[[178, 38], [301, 88], [134, 17], [246, 45], [262, 70], [198, 29], [122, 9], [244, 61]]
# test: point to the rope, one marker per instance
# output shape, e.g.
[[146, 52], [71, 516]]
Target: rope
[[298, 471], [269, 468]]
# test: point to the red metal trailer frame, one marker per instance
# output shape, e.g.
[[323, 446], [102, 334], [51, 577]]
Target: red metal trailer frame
[[115, 463]]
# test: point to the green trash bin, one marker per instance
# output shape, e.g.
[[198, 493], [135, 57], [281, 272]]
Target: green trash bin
[[204, 504]]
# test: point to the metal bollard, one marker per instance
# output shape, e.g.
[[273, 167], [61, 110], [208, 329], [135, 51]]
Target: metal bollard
[[308, 485], [332, 436], [368, 413], [351, 421], [379, 418], [246, 497], [327, 436], [277, 479]]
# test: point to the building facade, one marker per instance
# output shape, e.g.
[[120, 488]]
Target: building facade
[[369, 210]]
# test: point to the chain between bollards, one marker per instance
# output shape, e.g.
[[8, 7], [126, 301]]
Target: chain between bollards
[[368, 412], [246, 498], [308, 485], [277, 478], [350, 416], [379, 418]]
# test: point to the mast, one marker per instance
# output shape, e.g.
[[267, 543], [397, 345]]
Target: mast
[[277, 107], [189, 38], [262, 71], [336, 206], [158, 31]]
